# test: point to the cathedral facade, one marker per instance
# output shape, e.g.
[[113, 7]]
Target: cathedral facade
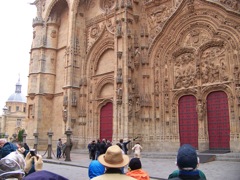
[[166, 72]]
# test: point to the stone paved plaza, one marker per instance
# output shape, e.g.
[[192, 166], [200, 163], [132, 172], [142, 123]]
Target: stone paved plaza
[[157, 165]]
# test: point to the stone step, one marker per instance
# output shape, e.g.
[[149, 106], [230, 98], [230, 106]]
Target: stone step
[[203, 157], [235, 157]]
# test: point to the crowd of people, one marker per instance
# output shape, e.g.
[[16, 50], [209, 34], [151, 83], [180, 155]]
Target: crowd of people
[[108, 161], [18, 161], [99, 147]]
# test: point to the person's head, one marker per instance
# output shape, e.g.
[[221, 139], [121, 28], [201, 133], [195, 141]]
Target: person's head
[[187, 157], [59, 139], [134, 164], [10, 169], [95, 169], [2, 142], [113, 158], [121, 140], [18, 157]]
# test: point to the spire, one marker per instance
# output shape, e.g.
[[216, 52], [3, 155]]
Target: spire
[[18, 86]]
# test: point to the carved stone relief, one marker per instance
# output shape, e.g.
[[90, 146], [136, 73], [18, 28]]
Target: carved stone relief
[[94, 32], [185, 71], [110, 25], [232, 4], [90, 4], [107, 5], [236, 73], [213, 66], [196, 37]]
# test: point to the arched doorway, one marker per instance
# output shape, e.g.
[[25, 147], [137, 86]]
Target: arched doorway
[[188, 121], [106, 121], [218, 121]]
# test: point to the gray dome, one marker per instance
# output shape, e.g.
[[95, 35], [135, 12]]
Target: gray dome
[[17, 96]]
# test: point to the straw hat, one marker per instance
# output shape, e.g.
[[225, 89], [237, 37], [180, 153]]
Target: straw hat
[[113, 158]]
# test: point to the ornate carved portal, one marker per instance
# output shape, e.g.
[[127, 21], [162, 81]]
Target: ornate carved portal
[[142, 57]]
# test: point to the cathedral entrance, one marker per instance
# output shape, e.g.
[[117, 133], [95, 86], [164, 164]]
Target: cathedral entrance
[[218, 121], [106, 121], [188, 121]]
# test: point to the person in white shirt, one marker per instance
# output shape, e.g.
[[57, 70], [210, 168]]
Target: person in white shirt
[[137, 148]]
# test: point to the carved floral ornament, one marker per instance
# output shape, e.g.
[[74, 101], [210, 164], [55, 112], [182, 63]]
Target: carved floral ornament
[[107, 5], [233, 4], [94, 32]]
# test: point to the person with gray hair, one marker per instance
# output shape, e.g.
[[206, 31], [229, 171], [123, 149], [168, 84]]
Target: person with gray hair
[[6, 147]]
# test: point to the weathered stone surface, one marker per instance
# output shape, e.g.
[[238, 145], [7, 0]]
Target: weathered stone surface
[[142, 56]]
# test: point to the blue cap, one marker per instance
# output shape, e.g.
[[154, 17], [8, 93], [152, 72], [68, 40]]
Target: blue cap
[[187, 157]]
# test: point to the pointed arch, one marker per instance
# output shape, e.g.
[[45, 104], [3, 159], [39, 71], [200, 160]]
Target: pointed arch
[[57, 6]]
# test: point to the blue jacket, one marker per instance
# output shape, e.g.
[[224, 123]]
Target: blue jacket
[[95, 169], [7, 148]]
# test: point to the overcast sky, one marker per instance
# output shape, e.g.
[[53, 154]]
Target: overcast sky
[[16, 38]]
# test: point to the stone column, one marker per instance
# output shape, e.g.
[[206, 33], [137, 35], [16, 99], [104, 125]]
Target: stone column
[[6, 136], [14, 137], [50, 134], [68, 133], [24, 137], [35, 140]]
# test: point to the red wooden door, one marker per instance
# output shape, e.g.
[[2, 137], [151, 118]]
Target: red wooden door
[[188, 121], [218, 121], [106, 121]]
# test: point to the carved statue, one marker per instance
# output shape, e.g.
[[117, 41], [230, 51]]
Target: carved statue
[[74, 100], [137, 57], [119, 75], [138, 104], [200, 110], [65, 100], [119, 93], [64, 114], [119, 29]]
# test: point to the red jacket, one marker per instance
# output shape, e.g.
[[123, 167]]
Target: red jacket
[[138, 174]]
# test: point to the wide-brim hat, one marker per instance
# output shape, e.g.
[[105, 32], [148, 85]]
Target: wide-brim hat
[[114, 158]]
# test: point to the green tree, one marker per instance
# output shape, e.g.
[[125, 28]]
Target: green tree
[[20, 135]]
